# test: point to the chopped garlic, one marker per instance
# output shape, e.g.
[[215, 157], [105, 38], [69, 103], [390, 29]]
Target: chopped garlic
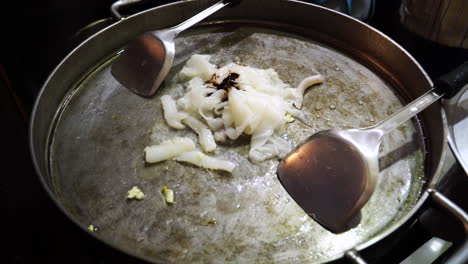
[[168, 149], [199, 159], [168, 194], [135, 193], [289, 118]]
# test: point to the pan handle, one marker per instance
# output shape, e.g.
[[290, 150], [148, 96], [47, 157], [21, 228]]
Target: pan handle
[[451, 83], [453, 209], [116, 6], [459, 256]]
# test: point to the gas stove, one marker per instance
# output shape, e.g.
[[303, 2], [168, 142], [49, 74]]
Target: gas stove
[[40, 34]]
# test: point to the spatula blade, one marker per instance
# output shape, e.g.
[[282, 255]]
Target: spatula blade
[[326, 177], [140, 67]]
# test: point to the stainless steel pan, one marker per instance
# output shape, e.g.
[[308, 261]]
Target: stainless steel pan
[[88, 134]]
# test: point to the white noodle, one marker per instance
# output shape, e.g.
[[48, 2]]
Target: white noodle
[[168, 149], [172, 116], [205, 137], [204, 161], [255, 102]]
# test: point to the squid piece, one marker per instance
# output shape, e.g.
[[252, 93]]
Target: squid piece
[[224, 103], [172, 116], [298, 93], [198, 65], [205, 136], [168, 149], [201, 160]]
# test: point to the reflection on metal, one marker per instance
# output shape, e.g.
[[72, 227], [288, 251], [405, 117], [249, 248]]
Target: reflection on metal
[[354, 256], [428, 252], [119, 4], [457, 117]]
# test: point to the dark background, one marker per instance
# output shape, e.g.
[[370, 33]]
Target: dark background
[[35, 36]]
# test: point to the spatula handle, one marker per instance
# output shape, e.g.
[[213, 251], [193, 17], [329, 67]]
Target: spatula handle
[[407, 112], [447, 86], [198, 17]]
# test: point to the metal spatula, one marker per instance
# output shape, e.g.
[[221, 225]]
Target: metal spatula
[[333, 174], [145, 62]]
